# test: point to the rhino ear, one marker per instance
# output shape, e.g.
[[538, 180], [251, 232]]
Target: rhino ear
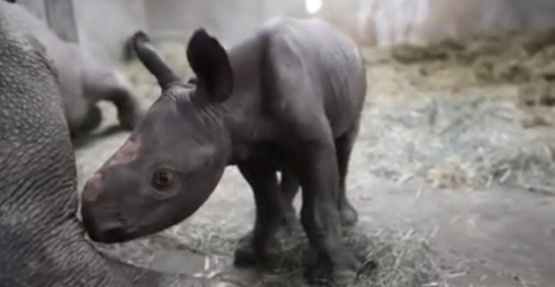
[[209, 61]]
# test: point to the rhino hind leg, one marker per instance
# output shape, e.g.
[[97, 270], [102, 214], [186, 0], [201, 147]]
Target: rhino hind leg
[[91, 121], [110, 86], [344, 147], [129, 109], [289, 188]]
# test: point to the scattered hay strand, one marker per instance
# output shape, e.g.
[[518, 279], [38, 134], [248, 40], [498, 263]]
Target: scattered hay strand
[[390, 258]]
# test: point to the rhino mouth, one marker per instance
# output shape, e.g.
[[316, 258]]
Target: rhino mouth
[[114, 231], [114, 235]]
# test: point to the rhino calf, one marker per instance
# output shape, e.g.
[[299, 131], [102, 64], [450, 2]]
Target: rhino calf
[[83, 79], [289, 98]]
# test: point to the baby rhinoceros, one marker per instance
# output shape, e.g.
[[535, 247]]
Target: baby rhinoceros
[[83, 80], [289, 98]]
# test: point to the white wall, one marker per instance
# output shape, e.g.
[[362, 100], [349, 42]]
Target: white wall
[[373, 22], [388, 22], [104, 25]]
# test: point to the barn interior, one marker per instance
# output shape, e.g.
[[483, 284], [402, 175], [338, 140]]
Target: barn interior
[[453, 172]]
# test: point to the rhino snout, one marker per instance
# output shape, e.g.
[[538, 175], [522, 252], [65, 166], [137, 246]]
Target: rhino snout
[[98, 227]]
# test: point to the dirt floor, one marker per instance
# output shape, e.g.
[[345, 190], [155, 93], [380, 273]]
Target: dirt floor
[[453, 174]]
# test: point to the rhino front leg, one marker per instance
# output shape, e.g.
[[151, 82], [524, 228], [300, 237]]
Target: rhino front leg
[[254, 247], [318, 174]]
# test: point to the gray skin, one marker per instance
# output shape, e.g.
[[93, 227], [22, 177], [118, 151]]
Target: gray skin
[[289, 98], [42, 243], [83, 79]]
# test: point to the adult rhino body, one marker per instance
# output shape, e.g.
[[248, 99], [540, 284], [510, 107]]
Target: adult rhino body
[[83, 79], [289, 98], [41, 241]]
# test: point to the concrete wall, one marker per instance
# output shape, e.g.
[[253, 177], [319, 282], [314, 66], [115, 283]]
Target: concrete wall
[[228, 20], [388, 22], [372, 22], [60, 17], [104, 25], [100, 26], [35, 6]]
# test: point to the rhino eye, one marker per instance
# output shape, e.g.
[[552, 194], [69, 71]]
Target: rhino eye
[[162, 178]]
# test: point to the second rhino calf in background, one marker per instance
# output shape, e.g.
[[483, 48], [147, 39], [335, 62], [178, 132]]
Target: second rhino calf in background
[[289, 98], [83, 80]]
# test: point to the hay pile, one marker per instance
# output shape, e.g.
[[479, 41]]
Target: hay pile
[[390, 259], [515, 57], [464, 114]]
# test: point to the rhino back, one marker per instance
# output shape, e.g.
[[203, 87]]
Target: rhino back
[[65, 55], [327, 59]]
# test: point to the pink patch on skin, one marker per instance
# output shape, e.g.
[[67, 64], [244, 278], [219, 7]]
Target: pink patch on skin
[[126, 154], [92, 188]]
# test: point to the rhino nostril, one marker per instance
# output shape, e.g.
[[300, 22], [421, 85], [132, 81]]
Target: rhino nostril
[[92, 188], [111, 232]]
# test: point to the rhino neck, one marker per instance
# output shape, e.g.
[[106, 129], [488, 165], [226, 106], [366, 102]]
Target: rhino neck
[[240, 115]]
